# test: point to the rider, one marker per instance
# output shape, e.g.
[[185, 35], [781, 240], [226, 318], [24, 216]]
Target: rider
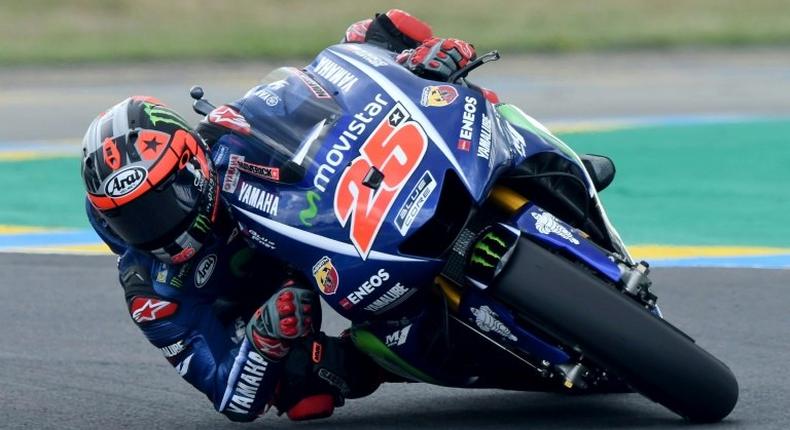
[[194, 285]]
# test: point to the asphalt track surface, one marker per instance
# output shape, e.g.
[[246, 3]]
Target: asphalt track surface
[[70, 357]]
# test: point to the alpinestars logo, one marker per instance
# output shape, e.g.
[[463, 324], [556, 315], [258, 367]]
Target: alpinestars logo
[[228, 117], [488, 321], [489, 250], [145, 309], [547, 224]]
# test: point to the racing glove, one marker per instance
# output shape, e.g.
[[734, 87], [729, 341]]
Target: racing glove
[[356, 32], [287, 315], [437, 59], [320, 373], [394, 31]]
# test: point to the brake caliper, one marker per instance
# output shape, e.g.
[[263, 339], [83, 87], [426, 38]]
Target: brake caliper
[[637, 284]]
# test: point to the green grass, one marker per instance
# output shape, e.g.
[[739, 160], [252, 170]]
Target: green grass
[[703, 184], [45, 192], [36, 31]]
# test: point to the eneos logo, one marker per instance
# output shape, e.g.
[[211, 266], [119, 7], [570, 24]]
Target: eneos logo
[[125, 181]]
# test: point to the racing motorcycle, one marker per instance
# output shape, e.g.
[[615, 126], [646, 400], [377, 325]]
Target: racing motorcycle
[[382, 186]]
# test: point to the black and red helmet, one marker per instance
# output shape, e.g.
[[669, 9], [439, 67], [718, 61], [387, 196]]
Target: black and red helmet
[[149, 175]]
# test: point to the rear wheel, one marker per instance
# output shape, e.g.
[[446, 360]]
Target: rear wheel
[[616, 333]]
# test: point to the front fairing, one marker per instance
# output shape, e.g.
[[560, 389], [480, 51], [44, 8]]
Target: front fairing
[[300, 222], [526, 138]]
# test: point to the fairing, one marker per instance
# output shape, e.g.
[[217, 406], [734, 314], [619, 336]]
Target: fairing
[[374, 164], [304, 117]]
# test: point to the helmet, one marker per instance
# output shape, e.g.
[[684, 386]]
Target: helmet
[[148, 175]]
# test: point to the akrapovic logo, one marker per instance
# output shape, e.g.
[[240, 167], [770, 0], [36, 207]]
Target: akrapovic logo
[[125, 181]]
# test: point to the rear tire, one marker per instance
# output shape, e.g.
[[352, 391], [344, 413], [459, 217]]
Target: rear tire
[[618, 334]]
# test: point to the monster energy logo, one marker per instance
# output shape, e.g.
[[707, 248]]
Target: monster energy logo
[[307, 215], [178, 280], [158, 114], [202, 223], [489, 250]]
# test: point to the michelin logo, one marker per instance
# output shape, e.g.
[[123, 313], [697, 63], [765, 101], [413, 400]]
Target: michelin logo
[[547, 224], [487, 320]]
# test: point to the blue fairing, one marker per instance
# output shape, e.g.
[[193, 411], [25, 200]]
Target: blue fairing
[[543, 227], [340, 232]]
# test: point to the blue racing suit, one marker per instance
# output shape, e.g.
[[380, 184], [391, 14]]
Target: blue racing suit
[[196, 314]]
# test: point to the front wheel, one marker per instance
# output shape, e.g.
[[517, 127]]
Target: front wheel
[[582, 312]]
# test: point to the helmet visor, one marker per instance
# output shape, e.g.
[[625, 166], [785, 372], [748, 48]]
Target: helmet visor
[[161, 214]]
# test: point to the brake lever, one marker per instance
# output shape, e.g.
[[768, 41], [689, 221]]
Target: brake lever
[[479, 61]]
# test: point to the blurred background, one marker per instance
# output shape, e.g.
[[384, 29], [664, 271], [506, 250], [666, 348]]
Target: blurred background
[[49, 31], [691, 99], [688, 97]]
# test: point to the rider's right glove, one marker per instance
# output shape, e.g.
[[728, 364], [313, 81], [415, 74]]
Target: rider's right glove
[[437, 59], [288, 315]]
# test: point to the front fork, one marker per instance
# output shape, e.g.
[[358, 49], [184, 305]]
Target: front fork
[[470, 306], [504, 198], [495, 321], [467, 300]]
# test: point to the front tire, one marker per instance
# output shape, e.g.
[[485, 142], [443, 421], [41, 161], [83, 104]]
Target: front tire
[[583, 312]]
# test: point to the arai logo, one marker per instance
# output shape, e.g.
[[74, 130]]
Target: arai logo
[[204, 270], [125, 181]]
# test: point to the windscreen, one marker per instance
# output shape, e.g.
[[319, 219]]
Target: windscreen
[[288, 114]]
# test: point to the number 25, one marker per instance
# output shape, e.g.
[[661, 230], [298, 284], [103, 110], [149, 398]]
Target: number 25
[[395, 152]]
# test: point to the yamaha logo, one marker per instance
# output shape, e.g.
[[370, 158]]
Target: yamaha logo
[[204, 270], [125, 181]]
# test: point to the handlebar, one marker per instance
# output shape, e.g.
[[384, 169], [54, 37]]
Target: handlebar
[[479, 61], [200, 105]]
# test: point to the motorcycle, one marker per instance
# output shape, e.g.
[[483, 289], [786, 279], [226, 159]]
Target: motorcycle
[[383, 186]]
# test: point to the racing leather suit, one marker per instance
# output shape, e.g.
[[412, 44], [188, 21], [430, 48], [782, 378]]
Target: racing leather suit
[[196, 314]]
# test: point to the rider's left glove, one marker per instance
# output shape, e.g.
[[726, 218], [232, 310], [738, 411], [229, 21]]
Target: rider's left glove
[[437, 59], [320, 373], [286, 316]]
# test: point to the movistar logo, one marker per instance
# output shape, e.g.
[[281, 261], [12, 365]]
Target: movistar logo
[[159, 114], [488, 251], [307, 215]]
